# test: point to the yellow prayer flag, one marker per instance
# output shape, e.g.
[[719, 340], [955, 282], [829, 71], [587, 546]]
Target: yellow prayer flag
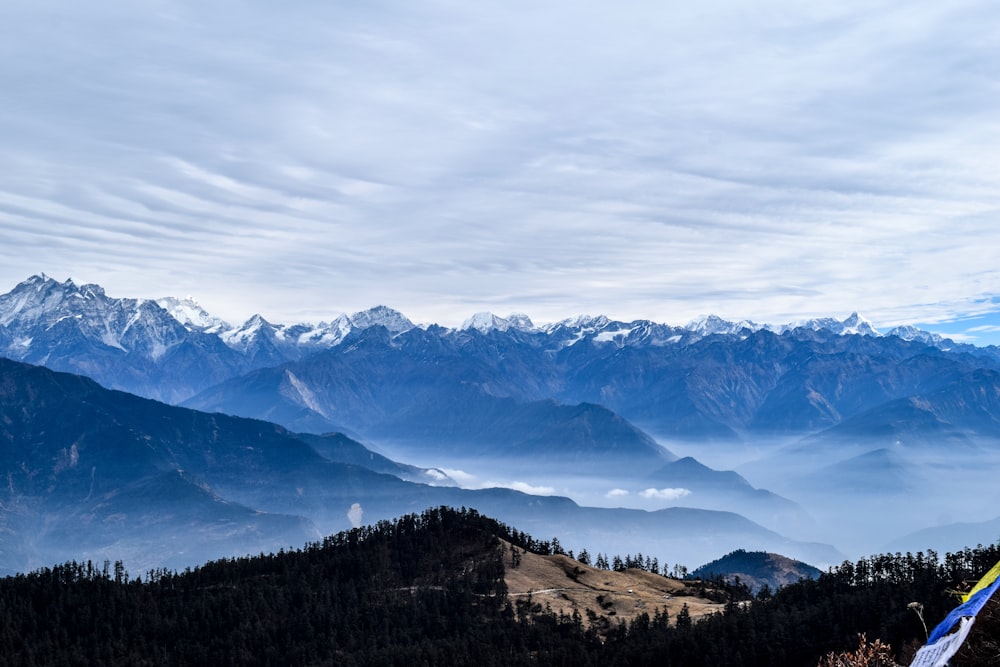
[[987, 579]]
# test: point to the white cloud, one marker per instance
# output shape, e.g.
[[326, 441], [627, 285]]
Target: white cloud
[[771, 162], [436, 474], [617, 493], [665, 494], [523, 487], [355, 514], [460, 476]]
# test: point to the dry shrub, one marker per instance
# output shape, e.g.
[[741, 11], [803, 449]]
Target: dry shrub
[[875, 654]]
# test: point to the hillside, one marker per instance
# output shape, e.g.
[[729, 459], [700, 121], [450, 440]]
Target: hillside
[[757, 569], [92, 474], [604, 597], [446, 587]]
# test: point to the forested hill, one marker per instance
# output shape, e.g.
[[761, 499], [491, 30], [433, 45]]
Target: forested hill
[[757, 569], [430, 590]]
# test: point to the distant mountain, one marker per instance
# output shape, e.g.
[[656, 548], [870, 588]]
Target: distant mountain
[[701, 486], [843, 405], [854, 324], [485, 322], [950, 537], [129, 344], [95, 473], [190, 314], [167, 349], [461, 394], [672, 384], [710, 380], [756, 569]]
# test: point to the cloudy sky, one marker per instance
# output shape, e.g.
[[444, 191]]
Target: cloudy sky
[[770, 160]]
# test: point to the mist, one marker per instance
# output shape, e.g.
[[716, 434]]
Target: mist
[[860, 497]]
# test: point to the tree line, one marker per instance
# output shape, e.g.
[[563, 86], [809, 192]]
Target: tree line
[[428, 589]]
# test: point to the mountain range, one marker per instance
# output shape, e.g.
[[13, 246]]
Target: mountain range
[[93, 473], [606, 412], [710, 379]]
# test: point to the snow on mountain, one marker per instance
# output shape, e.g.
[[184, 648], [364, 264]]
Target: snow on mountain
[[189, 312], [854, 324], [574, 329], [243, 336], [325, 334], [908, 332], [41, 307], [713, 324], [583, 324], [258, 336], [393, 320], [485, 322], [613, 335]]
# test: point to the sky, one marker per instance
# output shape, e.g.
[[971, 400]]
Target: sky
[[772, 161]]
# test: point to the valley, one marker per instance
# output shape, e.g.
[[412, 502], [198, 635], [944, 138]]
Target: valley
[[822, 440]]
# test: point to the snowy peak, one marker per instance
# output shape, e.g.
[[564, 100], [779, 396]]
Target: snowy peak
[[485, 322], [713, 324], [581, 323], [854, 324], [908, 332], [393, 320], [42, 312], [521, 322], [265, 342], [324, 334], [243, 336], [32, 299], [189, 312]]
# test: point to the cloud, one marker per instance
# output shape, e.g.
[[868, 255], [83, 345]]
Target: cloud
[[523, 487], [436, 475], [355, 514], [665, 494], [771, 163], [617, 493], [460, 476]]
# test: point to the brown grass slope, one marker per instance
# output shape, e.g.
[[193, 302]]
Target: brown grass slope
[[565, 585]]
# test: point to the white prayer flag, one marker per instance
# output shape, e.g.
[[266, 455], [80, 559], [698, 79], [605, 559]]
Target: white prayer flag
[[938, 653]]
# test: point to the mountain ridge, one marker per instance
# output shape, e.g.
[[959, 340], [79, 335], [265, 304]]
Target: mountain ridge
[[95, 472]]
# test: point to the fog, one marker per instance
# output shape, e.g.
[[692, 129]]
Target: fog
[[861, 497]]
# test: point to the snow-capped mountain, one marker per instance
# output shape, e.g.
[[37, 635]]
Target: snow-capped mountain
[[171, 348], [40, 305], [582, 392], [382, 316], [907, 332], [854, 325], [189, 312], [48, 320], [713, 324], [485, 321], [129, 344], [267, 344]]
